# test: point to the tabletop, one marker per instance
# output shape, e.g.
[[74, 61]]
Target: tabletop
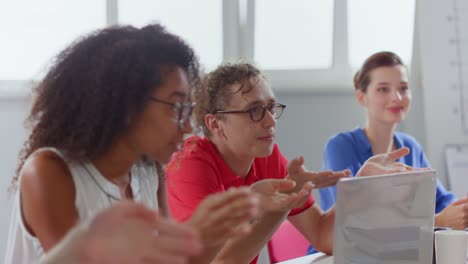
[[317, 258]]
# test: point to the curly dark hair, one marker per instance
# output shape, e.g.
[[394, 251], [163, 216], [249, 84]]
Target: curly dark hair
[[215, 91], [377, 60], [98, 84]]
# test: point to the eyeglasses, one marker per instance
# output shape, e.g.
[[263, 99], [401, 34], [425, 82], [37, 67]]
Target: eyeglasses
[[257, 113], [183, 111]]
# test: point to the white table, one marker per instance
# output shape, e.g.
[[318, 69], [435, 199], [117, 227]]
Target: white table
[[317, 258]]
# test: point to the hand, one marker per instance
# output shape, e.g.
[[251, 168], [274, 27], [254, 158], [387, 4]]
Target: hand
[[300, 175], [385, 163], [277, 195], [132, 233], [222, 216], [455, 215]]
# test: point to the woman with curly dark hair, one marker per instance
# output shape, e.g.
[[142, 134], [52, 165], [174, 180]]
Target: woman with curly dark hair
[[113, 105]]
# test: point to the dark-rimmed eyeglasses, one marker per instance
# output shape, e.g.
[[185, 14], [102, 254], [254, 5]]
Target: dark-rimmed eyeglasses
[[183, 111], [257, 113]]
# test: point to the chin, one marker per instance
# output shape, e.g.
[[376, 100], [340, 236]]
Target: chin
[[263, 152], [163, 158]]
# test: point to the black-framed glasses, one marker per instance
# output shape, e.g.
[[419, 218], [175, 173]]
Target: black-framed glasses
[[183, 111], [257, 113]]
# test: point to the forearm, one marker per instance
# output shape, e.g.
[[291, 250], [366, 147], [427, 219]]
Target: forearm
[[327, 222], [207, 256], [244, 249], [316, 226], [70, 250]]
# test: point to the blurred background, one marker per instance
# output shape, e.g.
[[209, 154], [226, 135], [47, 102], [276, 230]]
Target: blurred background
[[310, 50]]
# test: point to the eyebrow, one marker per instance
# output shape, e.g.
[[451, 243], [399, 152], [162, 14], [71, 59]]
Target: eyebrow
[[387, 83], [179, 95], [259, 102]]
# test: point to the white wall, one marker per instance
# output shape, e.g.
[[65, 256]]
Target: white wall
[[445, 89], [12, 136]]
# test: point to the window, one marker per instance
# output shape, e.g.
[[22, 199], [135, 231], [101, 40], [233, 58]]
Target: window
[[199, 22], [303, 44], [380, 25], [294, 34], [35, 31]]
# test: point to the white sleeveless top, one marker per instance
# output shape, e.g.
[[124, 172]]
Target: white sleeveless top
[[93, 194]]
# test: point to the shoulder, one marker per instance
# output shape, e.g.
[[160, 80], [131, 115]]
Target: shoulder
[[197, 153], [47, 196], [45, 169], [407, 140], [342, 140]]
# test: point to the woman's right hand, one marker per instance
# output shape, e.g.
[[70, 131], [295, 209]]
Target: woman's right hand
[[225, 215], [126, 233], [385, 163]]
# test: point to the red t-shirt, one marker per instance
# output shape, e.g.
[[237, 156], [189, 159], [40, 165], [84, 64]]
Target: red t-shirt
[[198, 171]]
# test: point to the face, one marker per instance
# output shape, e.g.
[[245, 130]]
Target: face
[[388, 97], [239, 134], [156, 132]]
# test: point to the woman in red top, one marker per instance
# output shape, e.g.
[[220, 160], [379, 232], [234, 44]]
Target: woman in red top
[[237, 112]]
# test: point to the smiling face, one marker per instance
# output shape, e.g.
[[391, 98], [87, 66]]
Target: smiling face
[[155, 132], [387, 97], [238, 133]]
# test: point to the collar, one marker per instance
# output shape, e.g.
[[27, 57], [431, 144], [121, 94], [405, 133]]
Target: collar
[[109, 188]]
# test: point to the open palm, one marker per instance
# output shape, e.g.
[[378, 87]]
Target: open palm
[[385, 163], [277, 195]]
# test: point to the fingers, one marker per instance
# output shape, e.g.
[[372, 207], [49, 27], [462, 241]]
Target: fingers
[[460, 201], [324, 178], [218, 200], [282, 185], [220, 214], [138, 210], [295, 165], [396, 154]]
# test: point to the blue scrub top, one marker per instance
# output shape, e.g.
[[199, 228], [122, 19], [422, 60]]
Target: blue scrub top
[[349, 150]]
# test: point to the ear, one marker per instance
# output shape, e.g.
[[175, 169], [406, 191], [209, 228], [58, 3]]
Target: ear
[[361, 97], [212, 123]]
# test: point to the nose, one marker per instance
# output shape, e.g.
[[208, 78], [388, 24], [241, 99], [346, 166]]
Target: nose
[[268, 120], [397, 96], [187, 129]]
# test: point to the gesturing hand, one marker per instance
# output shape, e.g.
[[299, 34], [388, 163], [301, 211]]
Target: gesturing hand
[[385, 163], [131, 233], [277, 195], [225, 215], [322, 179]]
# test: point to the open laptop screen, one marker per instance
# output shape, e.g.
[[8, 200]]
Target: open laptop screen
[[385, 219]]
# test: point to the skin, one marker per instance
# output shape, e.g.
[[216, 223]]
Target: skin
[[119, 235], [388, 102], [48, 192], [239, 141]]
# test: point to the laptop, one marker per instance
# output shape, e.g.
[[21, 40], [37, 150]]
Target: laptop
[[385, 219]]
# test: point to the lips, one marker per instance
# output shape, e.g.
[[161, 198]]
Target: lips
[[395, 110], [267, 138]]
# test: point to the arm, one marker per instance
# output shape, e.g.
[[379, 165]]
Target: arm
[[317, 227], [47, 198], [122, 234], [338, 155]]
